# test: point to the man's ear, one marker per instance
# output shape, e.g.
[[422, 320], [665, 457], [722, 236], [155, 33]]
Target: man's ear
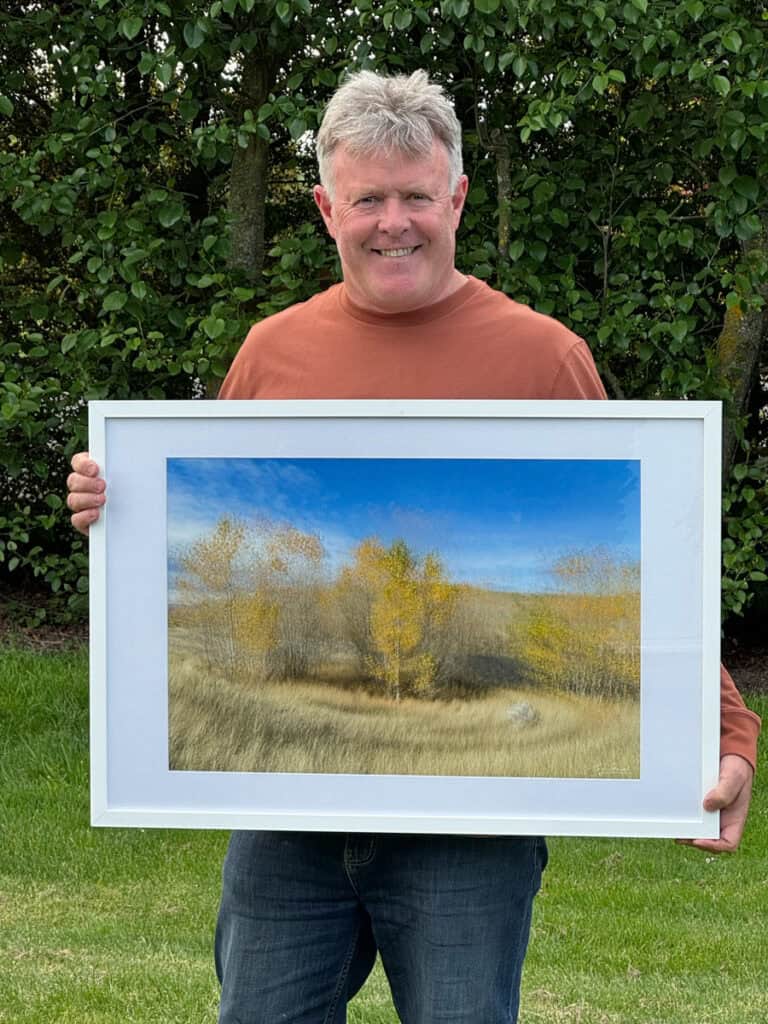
[[458, 198], [325, 206]]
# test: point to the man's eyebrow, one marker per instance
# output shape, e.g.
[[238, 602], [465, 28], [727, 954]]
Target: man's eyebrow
[[364, 190]]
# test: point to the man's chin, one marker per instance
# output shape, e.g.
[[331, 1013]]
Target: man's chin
[[390, 297]]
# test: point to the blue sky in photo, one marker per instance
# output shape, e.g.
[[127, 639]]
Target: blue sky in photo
[[497, 523]]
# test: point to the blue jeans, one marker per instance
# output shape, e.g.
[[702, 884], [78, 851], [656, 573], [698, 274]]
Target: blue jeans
[[303, 914]]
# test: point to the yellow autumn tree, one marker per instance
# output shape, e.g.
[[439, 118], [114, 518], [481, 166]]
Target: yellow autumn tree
[[256, 629], [585, 638], [209, 591], [396, 622], [395, 605], [292, 574], [251, 594]]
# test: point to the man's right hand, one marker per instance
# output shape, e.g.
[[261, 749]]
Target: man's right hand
[[86, 491]]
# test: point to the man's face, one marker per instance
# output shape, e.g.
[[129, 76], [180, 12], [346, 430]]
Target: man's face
[[394, 222]]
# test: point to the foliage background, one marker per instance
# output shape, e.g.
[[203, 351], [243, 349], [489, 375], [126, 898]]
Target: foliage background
[[154, 202]]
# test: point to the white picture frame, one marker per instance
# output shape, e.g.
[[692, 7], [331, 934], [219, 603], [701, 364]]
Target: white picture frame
[[677, 445]]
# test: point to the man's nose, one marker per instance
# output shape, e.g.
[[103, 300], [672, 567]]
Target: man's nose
[[394, 218]]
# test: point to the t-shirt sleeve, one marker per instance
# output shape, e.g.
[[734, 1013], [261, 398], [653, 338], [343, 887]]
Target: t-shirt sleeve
[[238, 382], [739, 727], [577, 376]]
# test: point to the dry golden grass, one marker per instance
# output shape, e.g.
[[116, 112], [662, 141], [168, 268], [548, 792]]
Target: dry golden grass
[[220, 725]]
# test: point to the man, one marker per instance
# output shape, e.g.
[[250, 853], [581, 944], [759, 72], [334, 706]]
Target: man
[[302, 915]]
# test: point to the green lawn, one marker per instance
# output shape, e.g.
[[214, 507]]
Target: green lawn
[[116, 925]]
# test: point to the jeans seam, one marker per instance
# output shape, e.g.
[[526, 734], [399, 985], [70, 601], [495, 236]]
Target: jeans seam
[[358, 862], [343, 978]]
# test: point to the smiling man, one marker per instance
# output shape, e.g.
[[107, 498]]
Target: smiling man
[[303, 914]]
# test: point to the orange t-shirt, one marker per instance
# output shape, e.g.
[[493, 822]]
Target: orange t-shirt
[[476, 343]]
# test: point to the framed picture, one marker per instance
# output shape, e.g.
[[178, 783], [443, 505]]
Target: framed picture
[[476, 617]]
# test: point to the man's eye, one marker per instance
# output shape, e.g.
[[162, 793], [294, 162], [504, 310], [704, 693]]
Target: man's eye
[[419, 197], [366, 200]]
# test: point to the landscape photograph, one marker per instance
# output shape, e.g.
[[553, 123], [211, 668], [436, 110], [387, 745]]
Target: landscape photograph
[[447, 617]]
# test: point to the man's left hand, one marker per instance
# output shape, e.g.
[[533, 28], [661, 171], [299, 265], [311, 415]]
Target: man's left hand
[[731, 797]]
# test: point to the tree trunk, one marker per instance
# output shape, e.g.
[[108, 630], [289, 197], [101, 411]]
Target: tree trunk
[[738, 355], [504, 190], [248, 176]]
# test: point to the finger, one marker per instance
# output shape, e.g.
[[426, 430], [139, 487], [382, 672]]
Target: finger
[[727, 843], [723, 795], [731, 789], [84, 464], [81, 502], [92, 485], [82, 521]]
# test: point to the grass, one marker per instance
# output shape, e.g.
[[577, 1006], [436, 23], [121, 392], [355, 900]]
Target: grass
[[216, 724], [99, 926]]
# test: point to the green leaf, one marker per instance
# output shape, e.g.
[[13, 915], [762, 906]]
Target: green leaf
[[164, 73], [194, 35], [726, 174], [747, 187], [63, 204], [330, 44], [283, 11], [297, 127], [169, 213], [721, 85], [487, 6], [737, 138], [641, 5], [695, 8], [403, 19], [130, 26], [516, 250], [748, 227], [505, 60], [6, 107], [519, 66], [139, 290], [599, 83], [114, 301], [189, 108], [732, 41], [213, 326]]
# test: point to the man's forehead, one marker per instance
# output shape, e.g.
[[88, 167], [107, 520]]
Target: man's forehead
[[388, 168]]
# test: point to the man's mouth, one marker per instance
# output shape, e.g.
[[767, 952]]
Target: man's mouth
[[396, 252]]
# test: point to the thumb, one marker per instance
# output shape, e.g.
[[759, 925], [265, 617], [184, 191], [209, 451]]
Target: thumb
[[724, 793]]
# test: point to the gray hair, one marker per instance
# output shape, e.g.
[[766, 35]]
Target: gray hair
[[373, 113]]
